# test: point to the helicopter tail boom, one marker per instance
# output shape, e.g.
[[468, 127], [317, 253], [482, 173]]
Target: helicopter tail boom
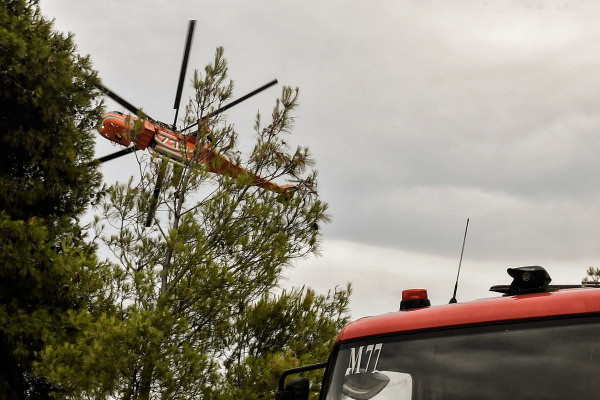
[[172, 146]]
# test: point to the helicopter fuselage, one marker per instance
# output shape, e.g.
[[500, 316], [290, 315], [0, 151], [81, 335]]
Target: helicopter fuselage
[[119, 128]]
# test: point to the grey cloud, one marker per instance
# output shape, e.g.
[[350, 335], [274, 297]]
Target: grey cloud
[[420, 113]]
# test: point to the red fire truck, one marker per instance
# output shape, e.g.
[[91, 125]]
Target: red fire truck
[[537, 341]]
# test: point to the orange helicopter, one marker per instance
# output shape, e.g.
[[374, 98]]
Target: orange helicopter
[[157, 137], [167, 140]]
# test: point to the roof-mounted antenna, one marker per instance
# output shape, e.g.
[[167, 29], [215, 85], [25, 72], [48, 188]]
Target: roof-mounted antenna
[[453, 299]]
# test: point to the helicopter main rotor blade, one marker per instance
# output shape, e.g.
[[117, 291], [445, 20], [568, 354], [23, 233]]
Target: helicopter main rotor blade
[[184, 63], [233, 103], [134, 110], [117, 154], [118, 98], [154, 201]]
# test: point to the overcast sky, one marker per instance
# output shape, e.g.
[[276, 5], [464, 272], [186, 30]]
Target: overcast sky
[[419, 113]]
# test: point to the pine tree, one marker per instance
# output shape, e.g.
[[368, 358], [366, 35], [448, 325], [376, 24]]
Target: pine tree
[[593, 275], [48, 108], [198, 310]]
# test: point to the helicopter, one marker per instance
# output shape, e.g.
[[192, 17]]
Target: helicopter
[[172, 143]]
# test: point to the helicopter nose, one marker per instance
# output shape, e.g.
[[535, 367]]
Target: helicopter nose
[[113, 129]]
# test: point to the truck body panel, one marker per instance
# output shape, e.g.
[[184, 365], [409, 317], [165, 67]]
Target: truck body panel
[[493, 310]]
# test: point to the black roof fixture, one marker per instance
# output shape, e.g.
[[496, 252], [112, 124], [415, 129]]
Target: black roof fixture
[[531, 279]]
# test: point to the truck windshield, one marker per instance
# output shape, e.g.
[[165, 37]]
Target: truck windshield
[[550, 359]]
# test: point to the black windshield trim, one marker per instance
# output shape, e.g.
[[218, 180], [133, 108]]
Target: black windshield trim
[[326, 374]]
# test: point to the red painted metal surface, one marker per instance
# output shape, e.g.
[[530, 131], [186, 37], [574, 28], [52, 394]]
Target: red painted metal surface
[[115, 128], [414, 294], [528, 306]]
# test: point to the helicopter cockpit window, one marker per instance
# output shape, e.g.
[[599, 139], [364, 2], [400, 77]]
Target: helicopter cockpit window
[[551, 360]]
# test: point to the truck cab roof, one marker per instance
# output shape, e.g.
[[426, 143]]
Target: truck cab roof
[[562, 302]]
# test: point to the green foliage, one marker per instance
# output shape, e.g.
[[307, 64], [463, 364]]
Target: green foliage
[[593, 275], [277, 333], [184, 310], [197, 314], [41, 282], [47, 110]]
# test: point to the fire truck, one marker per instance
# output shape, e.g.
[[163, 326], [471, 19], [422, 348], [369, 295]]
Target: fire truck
[[536, 341]]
